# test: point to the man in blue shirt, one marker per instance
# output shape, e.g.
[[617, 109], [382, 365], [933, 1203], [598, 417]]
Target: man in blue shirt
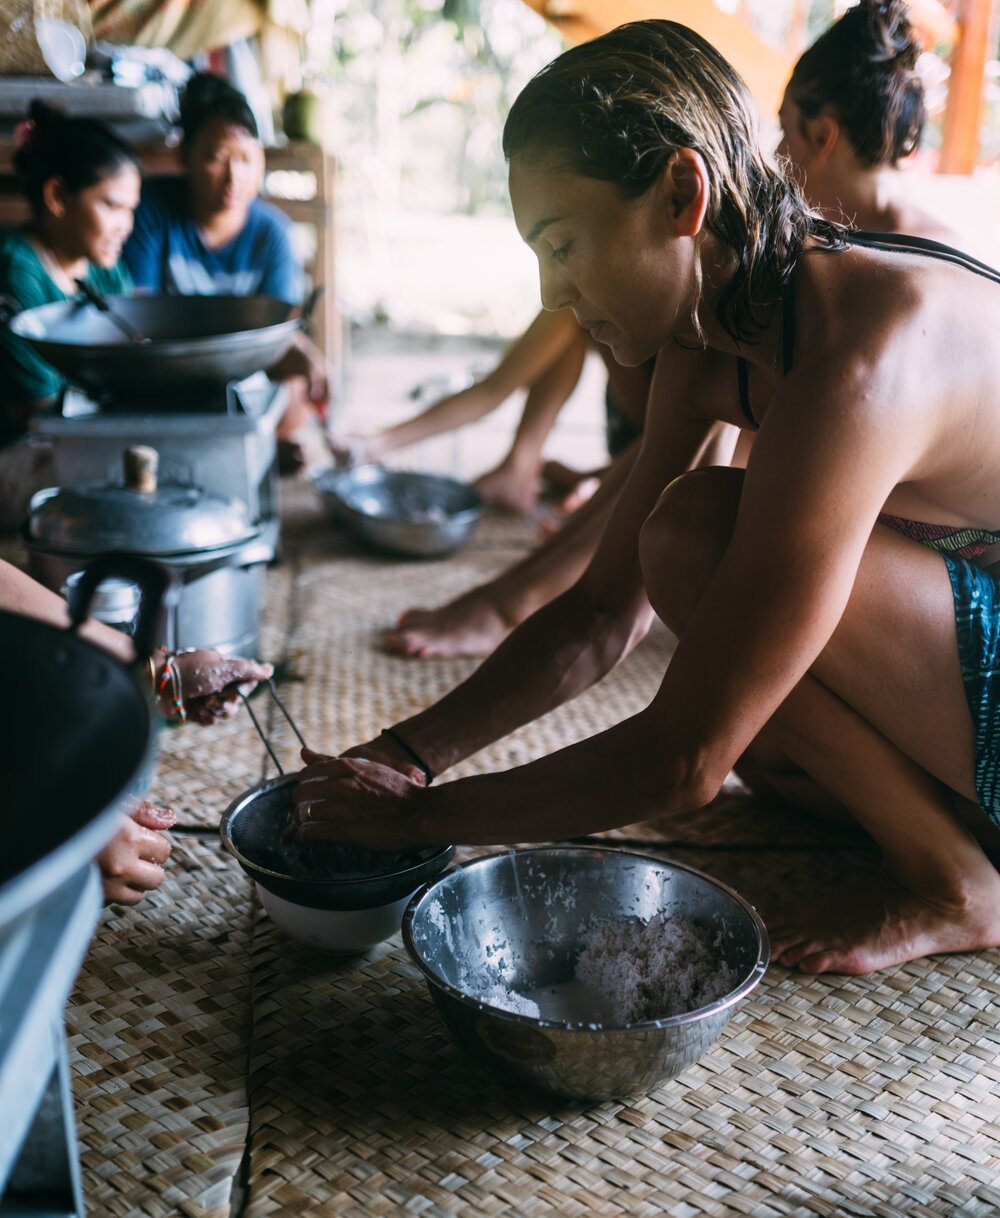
[[207, 233], [169, 250]]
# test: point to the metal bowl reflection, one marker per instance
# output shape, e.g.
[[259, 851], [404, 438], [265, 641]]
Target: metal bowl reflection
[[519, 919], [400, 511]]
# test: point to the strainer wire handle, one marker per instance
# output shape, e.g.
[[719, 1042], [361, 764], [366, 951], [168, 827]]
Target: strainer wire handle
[[260, 731], [284, 711]]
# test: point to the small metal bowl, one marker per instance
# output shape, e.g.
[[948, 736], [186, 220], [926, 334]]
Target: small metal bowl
[[344, 915], [402, 512], [520, 919]]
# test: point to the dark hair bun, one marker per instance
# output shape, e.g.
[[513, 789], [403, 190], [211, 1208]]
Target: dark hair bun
[[207, 97], [864, 69]]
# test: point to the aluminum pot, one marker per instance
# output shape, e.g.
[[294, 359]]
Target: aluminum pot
[[207, 541]]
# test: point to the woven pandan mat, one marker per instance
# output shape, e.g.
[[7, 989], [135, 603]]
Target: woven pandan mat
[[200, 1033], [158, 1028]]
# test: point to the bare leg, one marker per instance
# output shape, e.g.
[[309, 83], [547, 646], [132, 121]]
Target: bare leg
[[476, 622], [886, 738]]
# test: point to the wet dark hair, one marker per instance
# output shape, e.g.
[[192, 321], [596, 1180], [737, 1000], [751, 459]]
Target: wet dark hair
[[617, 108], [207, 97], [863, 68], [80, 151]]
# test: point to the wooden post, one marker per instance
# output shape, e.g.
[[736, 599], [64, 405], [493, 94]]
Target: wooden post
[[960, 133]]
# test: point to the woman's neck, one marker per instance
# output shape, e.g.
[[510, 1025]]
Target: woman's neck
[[718, 267], [63, 264], [867, 199]]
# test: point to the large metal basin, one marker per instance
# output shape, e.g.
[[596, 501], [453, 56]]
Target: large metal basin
[[402, 511], [521, 919]]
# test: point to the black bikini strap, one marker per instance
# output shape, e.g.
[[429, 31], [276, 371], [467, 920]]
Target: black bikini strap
[[787, 327], [743, 381], [787, 352], [903, 243]]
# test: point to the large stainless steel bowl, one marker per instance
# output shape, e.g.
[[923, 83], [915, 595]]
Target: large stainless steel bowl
[[520, 920], [400, 511]]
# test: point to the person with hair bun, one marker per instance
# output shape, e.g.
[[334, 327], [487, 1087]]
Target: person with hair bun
[[207, 233], [82, 185], [852, 110], [836, 603]]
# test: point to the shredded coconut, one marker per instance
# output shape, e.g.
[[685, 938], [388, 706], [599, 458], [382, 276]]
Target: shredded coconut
[[629, 971], [654, 969]]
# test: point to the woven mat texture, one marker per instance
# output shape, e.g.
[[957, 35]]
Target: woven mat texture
[[200, 1035]]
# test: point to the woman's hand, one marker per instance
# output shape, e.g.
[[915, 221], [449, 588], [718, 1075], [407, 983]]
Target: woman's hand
[[210, 684], [356, 803], [132, 862], [356, 450]]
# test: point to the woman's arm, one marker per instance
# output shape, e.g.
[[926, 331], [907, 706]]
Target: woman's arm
[[574, 640], [209, 680], [524, 363], [21, 594], [514, 482], [815, 484]]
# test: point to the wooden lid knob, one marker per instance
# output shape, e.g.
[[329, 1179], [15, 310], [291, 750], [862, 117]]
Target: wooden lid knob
[[140, 465]]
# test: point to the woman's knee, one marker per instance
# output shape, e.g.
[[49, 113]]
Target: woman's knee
[[684, 537]]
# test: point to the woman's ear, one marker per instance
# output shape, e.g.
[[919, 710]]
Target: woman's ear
[[823, 135], [687, 183], [54, 197]]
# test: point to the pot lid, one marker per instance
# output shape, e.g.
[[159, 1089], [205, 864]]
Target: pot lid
[[138, 515]]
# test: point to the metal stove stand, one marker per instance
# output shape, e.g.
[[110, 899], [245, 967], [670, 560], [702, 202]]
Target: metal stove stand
[[225, 443], [40, 957]]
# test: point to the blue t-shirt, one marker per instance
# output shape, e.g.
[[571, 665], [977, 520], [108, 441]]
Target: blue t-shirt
[[165, 252]]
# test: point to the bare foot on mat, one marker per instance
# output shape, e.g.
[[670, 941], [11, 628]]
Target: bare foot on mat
[[465, 627], [878, 924]]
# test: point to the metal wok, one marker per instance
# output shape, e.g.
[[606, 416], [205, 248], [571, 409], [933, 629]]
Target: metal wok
[[77, 739], [196, 342]]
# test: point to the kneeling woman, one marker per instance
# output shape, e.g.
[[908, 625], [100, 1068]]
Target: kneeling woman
[[835, 601], [82, 187]]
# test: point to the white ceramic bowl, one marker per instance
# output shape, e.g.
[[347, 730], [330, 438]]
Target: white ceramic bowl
[[342, 931]]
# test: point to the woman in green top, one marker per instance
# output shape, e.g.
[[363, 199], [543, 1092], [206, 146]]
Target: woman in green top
[[82, 186]]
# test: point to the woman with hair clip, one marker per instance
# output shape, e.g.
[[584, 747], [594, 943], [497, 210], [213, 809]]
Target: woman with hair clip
[[864, 532], [853, 109], [82, 185], [207, 233]]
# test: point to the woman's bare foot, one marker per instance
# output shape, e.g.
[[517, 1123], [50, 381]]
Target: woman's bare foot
[[510, 490], [878, 924], [467, 626], [563, 477]]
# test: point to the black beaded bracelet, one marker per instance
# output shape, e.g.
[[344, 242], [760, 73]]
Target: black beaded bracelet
[[413, 756]]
